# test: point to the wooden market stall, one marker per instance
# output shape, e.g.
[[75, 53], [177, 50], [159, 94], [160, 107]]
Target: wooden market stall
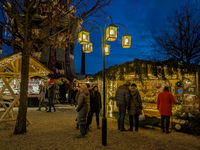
[[10, 69], [88, 80], [150, 78]]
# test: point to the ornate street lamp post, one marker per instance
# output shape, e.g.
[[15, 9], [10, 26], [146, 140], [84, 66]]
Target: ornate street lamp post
[[108, 34]]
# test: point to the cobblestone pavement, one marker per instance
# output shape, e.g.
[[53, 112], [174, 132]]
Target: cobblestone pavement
[[56, 131]]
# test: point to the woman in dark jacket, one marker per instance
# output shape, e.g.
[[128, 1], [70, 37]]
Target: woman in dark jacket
[[135, 103], [95, 104], [82, 109]]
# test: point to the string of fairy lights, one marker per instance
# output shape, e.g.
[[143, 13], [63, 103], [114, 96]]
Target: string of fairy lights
[[6, 61]]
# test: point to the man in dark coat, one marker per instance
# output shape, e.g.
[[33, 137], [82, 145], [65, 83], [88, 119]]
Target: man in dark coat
[[73, 95], [51, 96], [95, 104], [122, 97], [82, 109]]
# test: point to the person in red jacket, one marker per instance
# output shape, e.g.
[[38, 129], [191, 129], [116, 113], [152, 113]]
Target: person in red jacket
[[164, 105]]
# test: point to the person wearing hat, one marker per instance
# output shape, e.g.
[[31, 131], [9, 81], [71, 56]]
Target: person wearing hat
[[164, 105], [82, 109], [122, 97]]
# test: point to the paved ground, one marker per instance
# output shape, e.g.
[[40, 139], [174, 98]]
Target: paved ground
[[56, 131]]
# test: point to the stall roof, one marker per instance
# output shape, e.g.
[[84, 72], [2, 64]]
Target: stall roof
[[10, 65]]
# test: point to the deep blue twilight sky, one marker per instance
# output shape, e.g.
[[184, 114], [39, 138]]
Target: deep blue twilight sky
[[139, 17]]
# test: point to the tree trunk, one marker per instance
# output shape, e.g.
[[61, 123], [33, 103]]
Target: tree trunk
[[20, 126]]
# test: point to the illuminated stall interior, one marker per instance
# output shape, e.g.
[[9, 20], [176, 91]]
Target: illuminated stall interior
[[10, 76], [150, 78]]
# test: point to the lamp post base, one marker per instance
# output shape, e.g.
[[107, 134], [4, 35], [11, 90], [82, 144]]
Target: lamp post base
[[104, 131]]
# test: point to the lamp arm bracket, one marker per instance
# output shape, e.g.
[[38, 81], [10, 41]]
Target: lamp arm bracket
[[122, 26], [95, 28], [99, 27], [106, 22]]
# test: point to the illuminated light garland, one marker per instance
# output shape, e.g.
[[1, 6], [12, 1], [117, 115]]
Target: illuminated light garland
[[8, 60]]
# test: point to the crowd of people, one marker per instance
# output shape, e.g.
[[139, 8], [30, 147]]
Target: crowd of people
[[130, 99], [50, 94], [88, 101]]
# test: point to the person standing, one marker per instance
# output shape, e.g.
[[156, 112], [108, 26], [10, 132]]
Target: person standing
[[73, 95], [122, 97], [76, 103], [95, 104], [51, 96], [164, 105], [82, 109], [89, 109], [135, 103], [42, 98]]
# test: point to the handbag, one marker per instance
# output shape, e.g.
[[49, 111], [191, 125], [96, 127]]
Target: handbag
[[142, 116], [138, 111]]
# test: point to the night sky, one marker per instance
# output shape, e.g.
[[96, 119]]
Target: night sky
[[140, 17]]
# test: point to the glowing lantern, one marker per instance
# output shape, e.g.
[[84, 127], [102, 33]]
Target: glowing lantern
[[107, 49], [111, 32], [87, 48], [83, 36], [126, 41]]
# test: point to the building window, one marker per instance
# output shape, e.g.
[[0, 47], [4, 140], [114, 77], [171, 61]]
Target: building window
[[60, 67]]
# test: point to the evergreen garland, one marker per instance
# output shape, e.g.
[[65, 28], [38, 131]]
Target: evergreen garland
[[140, 67]]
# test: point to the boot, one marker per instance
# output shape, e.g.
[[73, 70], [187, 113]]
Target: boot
[[131, 130], [162, 131], [118, 128], [167, 131], [123, 129]]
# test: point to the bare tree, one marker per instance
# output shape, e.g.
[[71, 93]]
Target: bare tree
[[24, 21], [179, 38]]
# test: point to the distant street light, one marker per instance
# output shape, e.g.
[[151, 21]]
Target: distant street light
[[108, 34]]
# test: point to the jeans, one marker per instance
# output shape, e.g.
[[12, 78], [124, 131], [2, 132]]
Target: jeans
[[97, 117], [51, 104], [136, 121], [82, 130], [72, 101], [163, 120], [121, 116], [42, 103]]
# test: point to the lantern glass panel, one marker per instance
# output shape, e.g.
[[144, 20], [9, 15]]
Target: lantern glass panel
[[87, 48], [83, 37], [107, 49], [126, 41], [111, 33]]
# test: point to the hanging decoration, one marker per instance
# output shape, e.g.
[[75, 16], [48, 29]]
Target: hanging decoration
[[158, 86], [141, 68]]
